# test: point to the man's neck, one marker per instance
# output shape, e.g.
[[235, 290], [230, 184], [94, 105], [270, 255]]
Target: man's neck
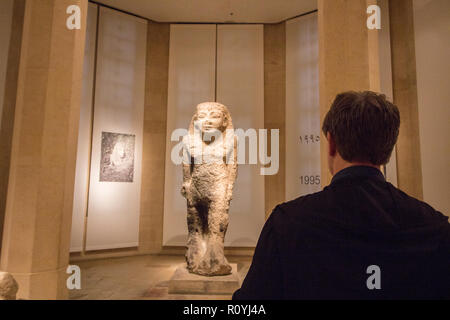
[[341, 164]]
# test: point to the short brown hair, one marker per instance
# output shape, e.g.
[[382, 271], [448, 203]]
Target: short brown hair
[[364, 125]]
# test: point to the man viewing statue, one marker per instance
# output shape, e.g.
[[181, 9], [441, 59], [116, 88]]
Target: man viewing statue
[[360, 237]]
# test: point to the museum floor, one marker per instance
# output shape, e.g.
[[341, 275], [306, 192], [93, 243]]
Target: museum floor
[[138, 277]]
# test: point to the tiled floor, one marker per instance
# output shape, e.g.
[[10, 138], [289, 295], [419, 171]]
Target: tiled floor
[[138, 277]]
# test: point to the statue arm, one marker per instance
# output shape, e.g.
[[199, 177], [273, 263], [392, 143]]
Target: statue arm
[[186, 174], [185, 188], [232, 170]]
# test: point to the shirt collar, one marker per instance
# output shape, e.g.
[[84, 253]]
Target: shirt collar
[[358, 171]]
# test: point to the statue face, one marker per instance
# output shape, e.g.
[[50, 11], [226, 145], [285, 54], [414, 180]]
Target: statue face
[[210, 119]]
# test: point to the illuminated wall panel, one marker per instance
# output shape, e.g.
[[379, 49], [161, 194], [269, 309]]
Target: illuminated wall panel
[[240, 86], [114, 202], [302, 107], [191, 81]]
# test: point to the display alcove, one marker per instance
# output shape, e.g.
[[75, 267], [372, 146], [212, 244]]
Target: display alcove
[[143, 79]]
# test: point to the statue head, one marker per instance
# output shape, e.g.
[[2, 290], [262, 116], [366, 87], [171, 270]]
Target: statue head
[[211, 117]]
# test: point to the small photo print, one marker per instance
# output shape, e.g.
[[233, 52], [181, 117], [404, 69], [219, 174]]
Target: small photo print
[[117, 158]]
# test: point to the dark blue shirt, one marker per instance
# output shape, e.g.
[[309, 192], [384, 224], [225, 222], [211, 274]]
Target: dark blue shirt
[[326, 245]]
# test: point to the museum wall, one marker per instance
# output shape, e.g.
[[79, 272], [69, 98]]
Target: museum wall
[[302, 107], [227, 63], [432, 34], [108, 179], [81, 191], [116, 159], [303, 129], [265, 84], [240, 86], [192, 60], [143, 79]]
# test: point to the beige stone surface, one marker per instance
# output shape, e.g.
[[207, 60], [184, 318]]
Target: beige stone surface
[[275, 108], [35, 247], [9, 103], [154, 142], [184, 282], [348, 57], [404, 85], [209, 173]]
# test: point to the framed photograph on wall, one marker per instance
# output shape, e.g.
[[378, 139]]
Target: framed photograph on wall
[[117, 158]]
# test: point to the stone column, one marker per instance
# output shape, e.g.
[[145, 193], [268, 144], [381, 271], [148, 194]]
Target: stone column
[[9, 104], [404, 85], [38, 212], [348, 56], [154, 143], [275, 108]]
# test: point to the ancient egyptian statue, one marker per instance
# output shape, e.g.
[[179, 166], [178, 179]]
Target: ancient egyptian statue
[[209, 172]]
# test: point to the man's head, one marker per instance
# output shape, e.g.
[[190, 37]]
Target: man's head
[[361, 129]]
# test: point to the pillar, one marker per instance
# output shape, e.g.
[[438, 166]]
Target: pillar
[[404, 85], [42, 168], [348, 56], [154, 143], [275, 108], [9, 103]]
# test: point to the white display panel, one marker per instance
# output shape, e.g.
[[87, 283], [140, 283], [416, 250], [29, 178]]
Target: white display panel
[[191, 81], [113, 209], [84, 134], [240, 86], [302, 107]]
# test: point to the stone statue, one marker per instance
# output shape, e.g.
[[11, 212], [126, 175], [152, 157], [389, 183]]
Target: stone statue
[[209, 172], [8, 286]]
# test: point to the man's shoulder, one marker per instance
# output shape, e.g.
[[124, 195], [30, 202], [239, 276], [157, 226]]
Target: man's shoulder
[[323, 205], [300, 209], [311, 200], [419, 212]]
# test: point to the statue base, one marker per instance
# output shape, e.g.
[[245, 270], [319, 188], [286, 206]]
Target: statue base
[[184, 282]]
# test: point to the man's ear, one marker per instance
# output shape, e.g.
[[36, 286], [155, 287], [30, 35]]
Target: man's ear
[[331, 145]]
